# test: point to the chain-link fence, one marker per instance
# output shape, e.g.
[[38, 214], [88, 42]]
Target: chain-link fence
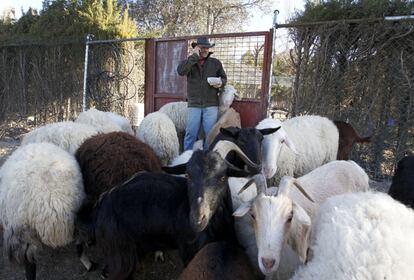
[[39, 83], [361, 72]]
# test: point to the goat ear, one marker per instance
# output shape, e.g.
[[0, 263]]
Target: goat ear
[[299, 235], [243, 209], [290, 144], [231, 131], [266, 131], [176, 169]]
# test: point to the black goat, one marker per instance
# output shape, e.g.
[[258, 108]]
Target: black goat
[[402, 187], [155, 211], [249, 140]]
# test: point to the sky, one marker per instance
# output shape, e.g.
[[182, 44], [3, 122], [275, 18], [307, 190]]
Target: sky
[[259, 21]]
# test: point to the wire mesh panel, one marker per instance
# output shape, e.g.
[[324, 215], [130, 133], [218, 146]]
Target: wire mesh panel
[[242, 58], [40, 82], [116, 75], [359, 72]]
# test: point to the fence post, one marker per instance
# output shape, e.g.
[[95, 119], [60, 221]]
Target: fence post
[[85, 71], [269, 96]]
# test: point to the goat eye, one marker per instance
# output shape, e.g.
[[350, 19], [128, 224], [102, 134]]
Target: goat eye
[[253, 217], [289, 219], [223, 178], [186, 176]]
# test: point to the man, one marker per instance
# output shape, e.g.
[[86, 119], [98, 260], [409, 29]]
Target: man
[[202, 96]]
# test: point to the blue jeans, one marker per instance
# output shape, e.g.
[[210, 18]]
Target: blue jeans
[[195, 117]]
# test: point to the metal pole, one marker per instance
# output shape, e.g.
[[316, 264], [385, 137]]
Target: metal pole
[[275, 13], [85, 71]]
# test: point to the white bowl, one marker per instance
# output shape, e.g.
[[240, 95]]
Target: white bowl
[[214, 80]]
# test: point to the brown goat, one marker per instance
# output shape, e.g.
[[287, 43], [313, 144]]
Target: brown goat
[[107, 160], [219, 260], [347, 138]]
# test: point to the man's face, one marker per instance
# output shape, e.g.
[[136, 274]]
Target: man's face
[[203, 52]]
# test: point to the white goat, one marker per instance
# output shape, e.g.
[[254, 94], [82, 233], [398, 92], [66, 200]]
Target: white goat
[[311, 141], [361, 236], [288, 216]]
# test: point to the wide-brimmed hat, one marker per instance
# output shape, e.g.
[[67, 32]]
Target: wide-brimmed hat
[[203, 42]]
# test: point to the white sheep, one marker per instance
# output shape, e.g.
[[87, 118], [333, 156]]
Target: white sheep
[[288, 216], [123, 122], [311, 141], [41, 189], [66, 135], [177, 112], [361, 236], [102, 121], [158, 131]]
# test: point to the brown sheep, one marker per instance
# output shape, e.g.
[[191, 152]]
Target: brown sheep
[[219, 260], [347, 138], [107, 160]]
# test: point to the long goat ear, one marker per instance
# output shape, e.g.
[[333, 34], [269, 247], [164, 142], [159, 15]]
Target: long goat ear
[[299, 234], [231, 131], [267, 131], [176, 169], [243, 209]]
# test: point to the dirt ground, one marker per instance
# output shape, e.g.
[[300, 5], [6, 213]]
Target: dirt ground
[[62, 263]]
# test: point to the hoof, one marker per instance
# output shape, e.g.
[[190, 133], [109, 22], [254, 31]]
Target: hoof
[[159, 256]]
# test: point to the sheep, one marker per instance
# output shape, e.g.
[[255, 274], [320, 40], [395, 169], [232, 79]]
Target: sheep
[[177, 112], [107, 160], [292, 209], [219, 260], [102, 121], [123, 122], [41, 190], [311, 141], [347, 138], [156, 211], [66, 135], [158, 131], [402, 187], [361, 236]]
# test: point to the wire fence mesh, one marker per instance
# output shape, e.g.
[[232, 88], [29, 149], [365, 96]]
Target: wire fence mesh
[[242, 58], [359, 72], [39, 83]]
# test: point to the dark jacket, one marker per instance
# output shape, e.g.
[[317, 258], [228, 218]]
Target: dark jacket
[[199, 92]]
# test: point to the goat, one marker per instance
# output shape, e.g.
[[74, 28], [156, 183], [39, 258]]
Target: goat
[[288, 216], [347, 138], [155, 211], [250, 142]]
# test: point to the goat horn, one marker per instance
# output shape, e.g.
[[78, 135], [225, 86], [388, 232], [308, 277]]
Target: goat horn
[[223, 147], [302, 190], [260, 181]]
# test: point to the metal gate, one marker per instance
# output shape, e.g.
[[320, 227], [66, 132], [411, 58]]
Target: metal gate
[[246, 58]]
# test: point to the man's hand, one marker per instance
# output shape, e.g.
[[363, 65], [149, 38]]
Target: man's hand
[[196, 50], [217, 85]]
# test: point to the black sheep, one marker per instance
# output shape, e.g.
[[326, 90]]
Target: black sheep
[[402, 187]]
